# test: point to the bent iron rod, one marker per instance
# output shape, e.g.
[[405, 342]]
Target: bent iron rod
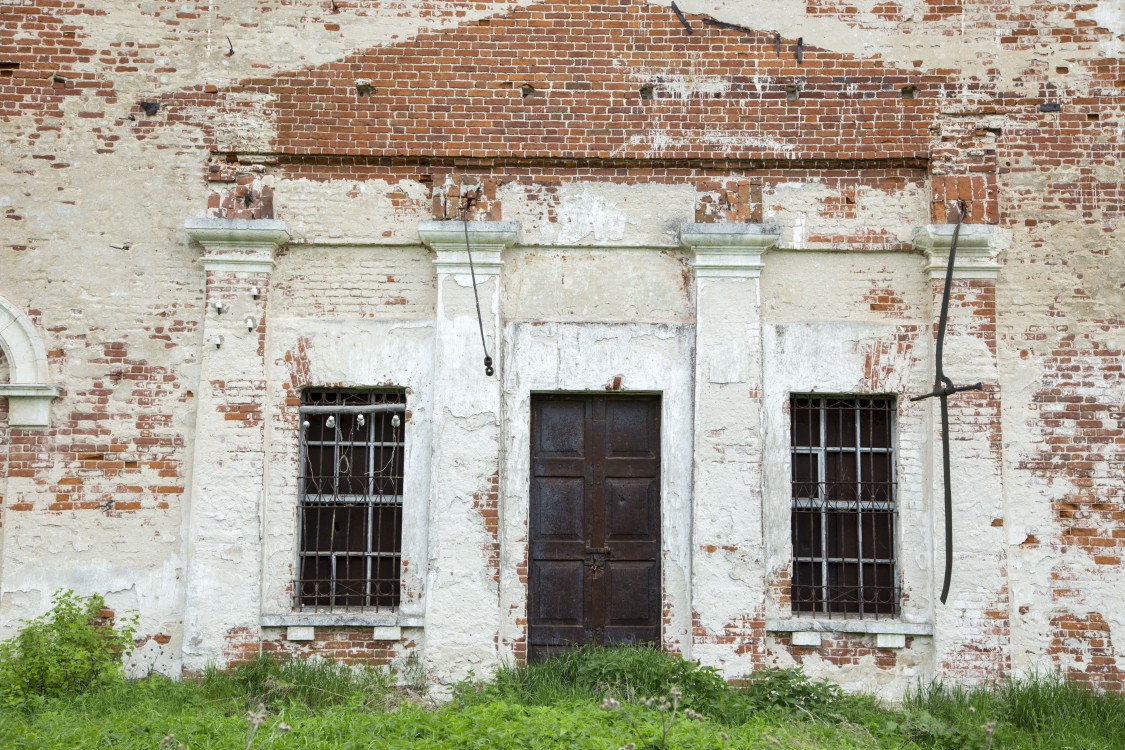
[[943, 387]]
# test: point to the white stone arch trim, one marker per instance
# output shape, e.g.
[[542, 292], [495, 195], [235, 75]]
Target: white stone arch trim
[[28, 391]]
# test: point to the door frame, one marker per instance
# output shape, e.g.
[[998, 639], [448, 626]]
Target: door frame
[[595, 403], [634, 358]]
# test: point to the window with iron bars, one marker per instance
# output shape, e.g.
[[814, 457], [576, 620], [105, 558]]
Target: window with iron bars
[[350, 509], [844, 505]]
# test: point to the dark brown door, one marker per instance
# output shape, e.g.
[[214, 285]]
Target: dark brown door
[[594, 521]]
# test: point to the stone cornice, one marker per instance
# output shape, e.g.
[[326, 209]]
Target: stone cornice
[[246, 245], [978, 249], [488, 239], [731, 250]]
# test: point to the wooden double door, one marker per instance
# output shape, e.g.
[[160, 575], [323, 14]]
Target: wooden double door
[[594, 562]]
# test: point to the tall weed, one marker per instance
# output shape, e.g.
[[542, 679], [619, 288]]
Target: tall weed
[[308, 683]]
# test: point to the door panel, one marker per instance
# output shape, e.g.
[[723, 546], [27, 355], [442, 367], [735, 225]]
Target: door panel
[[594, 521]]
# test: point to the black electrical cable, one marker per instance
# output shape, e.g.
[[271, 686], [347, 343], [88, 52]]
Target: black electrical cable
[[467, 201]]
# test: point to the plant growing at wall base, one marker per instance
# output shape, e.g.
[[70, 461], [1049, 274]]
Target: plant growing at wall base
[[70, 649]]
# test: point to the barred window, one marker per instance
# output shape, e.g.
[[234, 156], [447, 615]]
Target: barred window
[[350, 510], [843, 512]]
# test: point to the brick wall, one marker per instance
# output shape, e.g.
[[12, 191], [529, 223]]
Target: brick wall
[[122, 120]]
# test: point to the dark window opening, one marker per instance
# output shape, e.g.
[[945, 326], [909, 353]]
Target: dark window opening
[[350, 508], [844, 505]]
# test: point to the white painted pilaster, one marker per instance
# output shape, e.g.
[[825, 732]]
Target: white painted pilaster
[[228, 476], [972, 630], [727, 592], [462, 607]]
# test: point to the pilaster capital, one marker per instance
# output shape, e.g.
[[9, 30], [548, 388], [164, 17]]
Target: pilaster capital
[[487, 239], [246, 245], [29, 405], [731, 250], [978, 249]]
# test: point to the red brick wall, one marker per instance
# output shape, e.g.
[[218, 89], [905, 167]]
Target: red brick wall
[[348, 645]]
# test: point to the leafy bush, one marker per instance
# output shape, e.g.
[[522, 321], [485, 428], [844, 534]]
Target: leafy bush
[[68, 650], [790, 689]]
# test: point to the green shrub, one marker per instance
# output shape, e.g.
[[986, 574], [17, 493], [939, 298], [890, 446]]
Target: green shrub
[[790, 689], [68, 650]]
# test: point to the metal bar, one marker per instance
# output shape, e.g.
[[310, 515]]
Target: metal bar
[[943, 388], [948, 497], [680, 15], [822, 469], [351, 554], [873, 560], [321, 499], [725, 25], [859, 503], [361, 409]]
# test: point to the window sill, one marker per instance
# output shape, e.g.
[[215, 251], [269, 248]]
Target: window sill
[[343, 619], [827, 625]]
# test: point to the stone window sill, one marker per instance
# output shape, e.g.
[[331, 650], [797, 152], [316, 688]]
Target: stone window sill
[[343, 619], [827, 625]]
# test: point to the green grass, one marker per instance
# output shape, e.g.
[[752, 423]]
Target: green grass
[[557, 704]]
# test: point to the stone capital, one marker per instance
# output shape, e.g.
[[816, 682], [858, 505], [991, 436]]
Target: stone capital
[[730, 250], [978, 249], [29, 406], [487, 239], [241, 245]]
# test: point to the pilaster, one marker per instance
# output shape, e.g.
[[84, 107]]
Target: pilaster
[[464, 566], [728, 597], [229, 466], [972, 630]]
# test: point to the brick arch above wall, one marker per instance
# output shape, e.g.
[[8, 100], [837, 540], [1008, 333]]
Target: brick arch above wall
[[28, 389]]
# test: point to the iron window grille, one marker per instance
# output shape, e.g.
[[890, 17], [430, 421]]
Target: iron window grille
[[350, 506], [844, 505]]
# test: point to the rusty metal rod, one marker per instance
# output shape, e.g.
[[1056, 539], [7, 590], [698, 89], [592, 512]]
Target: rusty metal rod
[[943, 388]]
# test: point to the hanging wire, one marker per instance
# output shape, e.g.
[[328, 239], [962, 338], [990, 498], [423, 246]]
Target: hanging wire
[[467, 200]]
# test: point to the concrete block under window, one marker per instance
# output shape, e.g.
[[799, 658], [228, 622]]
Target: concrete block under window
[[806, 638], [300, 633], [386, 633], [890, 640]]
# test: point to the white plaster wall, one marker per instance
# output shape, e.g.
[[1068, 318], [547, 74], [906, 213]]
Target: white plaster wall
[[349, 353], [831, 358], [589, 357], [598, 214], [821, 334], [728, 571], [597, 285]]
